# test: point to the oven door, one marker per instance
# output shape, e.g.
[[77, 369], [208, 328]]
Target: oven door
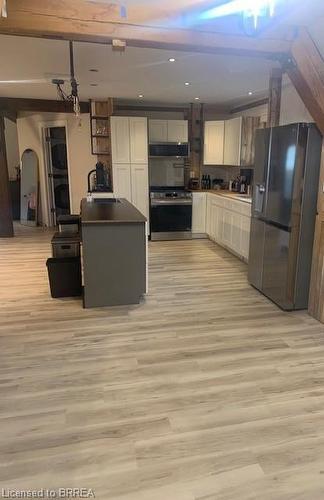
[[171, 216]]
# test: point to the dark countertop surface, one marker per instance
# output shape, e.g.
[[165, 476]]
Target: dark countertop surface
[[103, 211]]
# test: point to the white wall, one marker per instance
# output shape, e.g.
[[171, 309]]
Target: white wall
[[292, 110], [12, 149], [80, 159]]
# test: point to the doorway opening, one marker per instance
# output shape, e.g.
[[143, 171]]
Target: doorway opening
[[57, 173]]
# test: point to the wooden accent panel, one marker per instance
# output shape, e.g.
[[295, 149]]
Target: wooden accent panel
[[274, 101], [99, 22], [6, 226], [306, 71], [14, 105], [316, 294], [249, 125], [195, 123]]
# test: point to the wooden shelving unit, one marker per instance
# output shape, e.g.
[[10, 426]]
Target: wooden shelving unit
[[100, 113]]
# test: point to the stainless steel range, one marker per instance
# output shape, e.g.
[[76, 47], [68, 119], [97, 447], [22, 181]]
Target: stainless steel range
[[170, 215]]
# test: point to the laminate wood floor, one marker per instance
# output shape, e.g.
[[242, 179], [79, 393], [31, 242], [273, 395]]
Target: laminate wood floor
[[205, 391]]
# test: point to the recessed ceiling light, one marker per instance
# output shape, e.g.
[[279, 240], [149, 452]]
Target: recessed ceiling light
[[187, 84], [250, 93], [171, 59], [94, 70], [197, 98], [140, 96]]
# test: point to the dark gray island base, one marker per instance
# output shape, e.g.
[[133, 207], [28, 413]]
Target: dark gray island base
[[114, 252]]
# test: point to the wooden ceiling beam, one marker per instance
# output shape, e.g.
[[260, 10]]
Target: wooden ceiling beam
[[249, 105], [305, 69], [14, 105], [101, 22]]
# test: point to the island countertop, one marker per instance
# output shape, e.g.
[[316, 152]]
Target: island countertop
[[105, 211]]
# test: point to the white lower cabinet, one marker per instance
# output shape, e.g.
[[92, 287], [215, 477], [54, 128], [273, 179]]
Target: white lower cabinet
[[131, 182], [199, 207], [139, 188], [122, 181], [228, 223]]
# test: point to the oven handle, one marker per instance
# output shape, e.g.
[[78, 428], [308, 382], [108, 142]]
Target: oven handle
[[156, 203]]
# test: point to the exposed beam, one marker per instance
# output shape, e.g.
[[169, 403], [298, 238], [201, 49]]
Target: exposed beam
[[6, 225], [305, 69], [149, 108], [274, 101], [12, 104], [11, 115], [98, 22], [250, 105]]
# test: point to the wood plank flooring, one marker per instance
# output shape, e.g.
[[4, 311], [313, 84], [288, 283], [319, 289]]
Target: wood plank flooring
[[205, 391]]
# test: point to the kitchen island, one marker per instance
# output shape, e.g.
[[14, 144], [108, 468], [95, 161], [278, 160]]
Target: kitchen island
[[114, 246]]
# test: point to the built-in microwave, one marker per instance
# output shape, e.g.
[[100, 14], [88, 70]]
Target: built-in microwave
[[169, 149]]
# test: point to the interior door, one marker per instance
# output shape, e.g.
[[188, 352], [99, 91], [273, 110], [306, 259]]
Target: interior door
[[57, 171], [284, 144], [29, 188]]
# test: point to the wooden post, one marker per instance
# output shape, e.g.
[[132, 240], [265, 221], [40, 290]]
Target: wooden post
[[305, 69], [274, 97], [196, 138], [316, 294], [6, 225]]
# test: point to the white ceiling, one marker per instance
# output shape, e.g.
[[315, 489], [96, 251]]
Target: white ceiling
[[214, 78]]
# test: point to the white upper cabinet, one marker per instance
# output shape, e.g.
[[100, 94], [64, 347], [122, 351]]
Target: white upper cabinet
[[158, 130], [120, 139], [129, 139], [138, 140], [232, 141], [168, 131], [214, 143], [177, 131]]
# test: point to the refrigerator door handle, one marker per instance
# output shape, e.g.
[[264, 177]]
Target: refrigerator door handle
[[259, 196]]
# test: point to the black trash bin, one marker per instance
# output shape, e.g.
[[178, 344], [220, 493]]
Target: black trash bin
[[65, 276]]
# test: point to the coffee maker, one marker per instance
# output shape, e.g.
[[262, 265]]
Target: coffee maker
[[98, 180]]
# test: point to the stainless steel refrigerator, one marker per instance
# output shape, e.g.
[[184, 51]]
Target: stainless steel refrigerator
[[285, 187]]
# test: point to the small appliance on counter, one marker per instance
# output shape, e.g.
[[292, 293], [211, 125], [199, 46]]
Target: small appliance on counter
[[98, 180], [193, 183]]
